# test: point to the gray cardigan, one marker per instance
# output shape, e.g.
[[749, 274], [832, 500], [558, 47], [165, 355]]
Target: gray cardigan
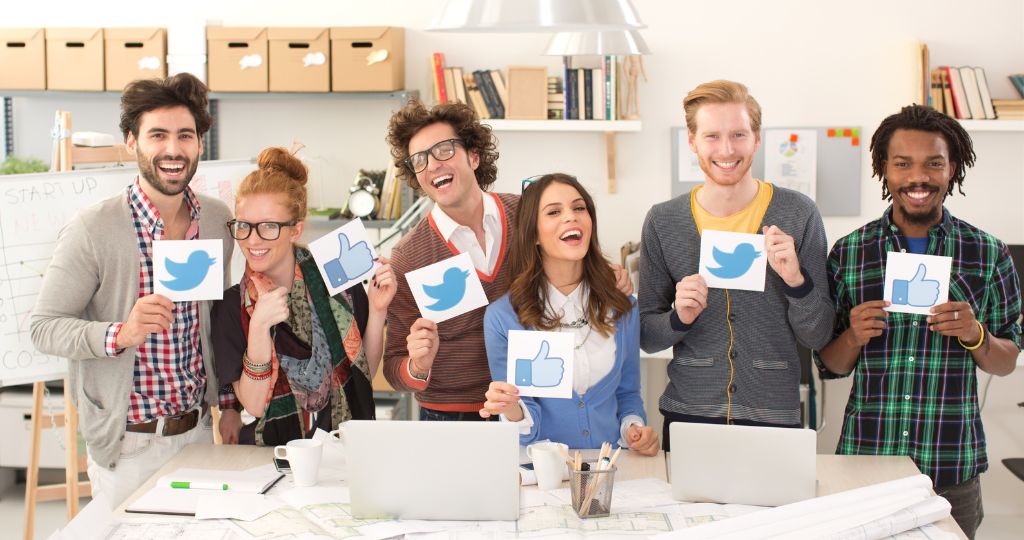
[[766, 326], [93, 281]]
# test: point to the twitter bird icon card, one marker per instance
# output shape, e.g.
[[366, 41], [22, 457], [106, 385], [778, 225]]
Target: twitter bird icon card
[[188, 270], [344, 256], [540, 363], [915, 283], [447, 289], [730, 260]]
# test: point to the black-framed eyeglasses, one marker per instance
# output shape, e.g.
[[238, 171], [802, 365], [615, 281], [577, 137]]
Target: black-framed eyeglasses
[[442, 151], [267, 230]]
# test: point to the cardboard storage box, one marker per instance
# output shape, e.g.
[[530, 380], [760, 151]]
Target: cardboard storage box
[[23, 57], [74, 59], [134, 53], [237, 59], [367, 59], [300, 59]]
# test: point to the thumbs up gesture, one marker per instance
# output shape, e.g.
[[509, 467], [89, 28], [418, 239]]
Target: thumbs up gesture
[[352, 262], [542, 370], [917, 292]]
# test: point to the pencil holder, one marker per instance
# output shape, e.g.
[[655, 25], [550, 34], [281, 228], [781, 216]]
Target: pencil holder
[[592, 491]]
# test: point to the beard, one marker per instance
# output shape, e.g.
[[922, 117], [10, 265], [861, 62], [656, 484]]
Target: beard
[[922, 216], [929, 217], [712, 173], [148, 170]]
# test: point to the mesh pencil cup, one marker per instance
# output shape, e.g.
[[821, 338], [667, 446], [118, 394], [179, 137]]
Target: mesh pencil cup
[[592, 491]]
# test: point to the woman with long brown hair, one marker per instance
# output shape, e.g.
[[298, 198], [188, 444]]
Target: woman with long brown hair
[[561, 282]]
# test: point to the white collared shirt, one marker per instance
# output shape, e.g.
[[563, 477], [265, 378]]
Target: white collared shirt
[[594, 355], [464, 240]]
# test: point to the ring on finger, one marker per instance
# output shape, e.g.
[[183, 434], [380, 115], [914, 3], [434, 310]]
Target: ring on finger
[[956, 315]]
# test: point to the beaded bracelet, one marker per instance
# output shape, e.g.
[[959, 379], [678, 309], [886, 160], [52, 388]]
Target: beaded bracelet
[[256, 376], [980, 341], [257, 369]]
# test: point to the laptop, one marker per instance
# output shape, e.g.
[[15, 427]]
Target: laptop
[[433, 470], [762, 466]]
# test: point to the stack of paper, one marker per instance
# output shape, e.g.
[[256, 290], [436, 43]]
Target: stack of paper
[[876, 511]]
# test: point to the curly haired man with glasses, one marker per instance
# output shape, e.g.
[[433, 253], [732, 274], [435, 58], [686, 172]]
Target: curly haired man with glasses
[[445, 153]]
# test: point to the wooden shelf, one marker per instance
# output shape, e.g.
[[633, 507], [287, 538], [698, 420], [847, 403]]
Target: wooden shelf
[[211, 143], [597, 126], [608, 127], [993, 125]]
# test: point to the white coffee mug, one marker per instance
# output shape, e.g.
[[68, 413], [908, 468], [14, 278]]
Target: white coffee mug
[[548, 463], [338, 436], [303, 457]]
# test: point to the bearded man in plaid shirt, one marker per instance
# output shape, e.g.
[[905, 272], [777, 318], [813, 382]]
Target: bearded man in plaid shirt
[[141, 365], [915, 391]]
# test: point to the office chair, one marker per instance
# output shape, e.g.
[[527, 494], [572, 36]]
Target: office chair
[[1016, 465]]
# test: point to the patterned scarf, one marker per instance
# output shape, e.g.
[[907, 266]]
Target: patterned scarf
[[309, 348]]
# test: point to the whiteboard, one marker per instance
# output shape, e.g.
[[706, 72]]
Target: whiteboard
[[33, 207]]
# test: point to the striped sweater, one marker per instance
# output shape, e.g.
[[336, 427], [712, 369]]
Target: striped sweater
[[460, 375]]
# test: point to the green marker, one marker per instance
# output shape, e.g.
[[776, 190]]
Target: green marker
[[199, 485]]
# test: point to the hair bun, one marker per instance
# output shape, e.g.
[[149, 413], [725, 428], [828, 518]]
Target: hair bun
[[280, 160]]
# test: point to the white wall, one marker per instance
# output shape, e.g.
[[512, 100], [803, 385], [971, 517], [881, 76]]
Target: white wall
[[807, 62]]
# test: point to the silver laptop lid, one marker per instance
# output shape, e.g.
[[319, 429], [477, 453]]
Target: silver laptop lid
[[742, 464], [433, 470]]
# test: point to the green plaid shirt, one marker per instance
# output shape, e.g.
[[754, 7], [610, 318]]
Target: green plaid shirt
[[915, 391]]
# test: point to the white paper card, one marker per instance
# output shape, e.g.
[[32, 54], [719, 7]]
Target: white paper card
[[915, 283], [187, 270], [344, 256], [540, 363], [730, 260], [447, 289]]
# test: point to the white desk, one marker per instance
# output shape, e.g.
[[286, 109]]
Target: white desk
[[835, 473]]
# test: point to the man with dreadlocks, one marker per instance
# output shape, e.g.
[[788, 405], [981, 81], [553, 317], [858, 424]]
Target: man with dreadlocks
[[914, 390]]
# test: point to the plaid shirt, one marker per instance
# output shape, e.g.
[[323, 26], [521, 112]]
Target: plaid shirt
[[914, 390], [169, 376]]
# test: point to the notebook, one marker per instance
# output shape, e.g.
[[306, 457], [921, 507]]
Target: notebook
[[163, 499], [433, 470], [761, 466]]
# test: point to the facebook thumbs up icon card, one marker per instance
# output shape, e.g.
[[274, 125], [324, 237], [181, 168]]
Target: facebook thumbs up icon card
[[188, 270], [447, 289], [916, 283], [344, 256], [730, 260], [540, 363]]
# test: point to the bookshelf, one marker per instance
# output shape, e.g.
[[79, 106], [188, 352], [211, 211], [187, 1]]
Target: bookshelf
[[1009, 126], [608, 127]]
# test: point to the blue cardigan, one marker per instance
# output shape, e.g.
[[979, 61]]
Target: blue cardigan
[[580, 422]]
